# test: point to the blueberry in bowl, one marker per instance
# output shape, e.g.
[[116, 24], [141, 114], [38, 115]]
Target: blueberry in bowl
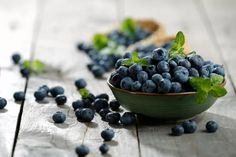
[[181, 94]]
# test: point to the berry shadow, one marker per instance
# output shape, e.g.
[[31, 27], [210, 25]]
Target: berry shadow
[[117, 126], [107, 155], [91, 125], [63, 106], [111, 143], [3, 110], [61, 125], [18, 102]]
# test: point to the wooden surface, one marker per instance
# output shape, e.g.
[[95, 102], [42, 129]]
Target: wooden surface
[[49, 30]]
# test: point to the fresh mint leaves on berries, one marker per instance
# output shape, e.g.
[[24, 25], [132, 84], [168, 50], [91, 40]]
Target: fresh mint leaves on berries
[[135, 59]]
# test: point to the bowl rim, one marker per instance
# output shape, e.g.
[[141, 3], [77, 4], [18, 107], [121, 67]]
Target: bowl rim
[[154, 94]]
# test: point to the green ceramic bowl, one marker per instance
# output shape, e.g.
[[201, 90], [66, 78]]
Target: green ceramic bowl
[[170, 106]]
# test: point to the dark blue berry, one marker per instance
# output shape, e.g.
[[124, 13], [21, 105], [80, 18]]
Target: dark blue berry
[[97, 71], [107, 134], [181, 74], [127, 55], [24, 72], [219, 70], [87, 102], [164, 86], [172, 64], [160, 54], [118, 63], [163, 66], [149, 86], [103, 112], [204, 72], [3, 103], [103, 96], [19, 96], [116, 79], [16, 58], [78, 104], [157, 78], [104, 148], [86, 115], [211, 126], [60, 99], [57, 90], [196, 61], [193, 72], [82, 150], [136, 86], [151, 70], [176, 87], [59, 117], [126, 83], [80, 83], [112, 118], [178, 130], [128, 118], [142, 76], [189, 126], [123, 71], [135, 69], [185, 63], [44, 87], [100, 104], [114, 105], [166, 75], [40, 94]]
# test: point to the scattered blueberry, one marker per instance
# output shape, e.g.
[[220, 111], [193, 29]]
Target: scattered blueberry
[[102, 96], [97, 71], [59, 117], [60, 99], [128, 118], [189, 126], [178, 130], [78, 104], [3, 103], [19, 96], [40, 94], [211, 126], [114, 105], [57, 90], [100, 104], [104, 148], [84, 114], [82, 150], [112, 118], [16, 58], [44, 87], [107, 134], [103, 112], [25, 72], [80, 83]]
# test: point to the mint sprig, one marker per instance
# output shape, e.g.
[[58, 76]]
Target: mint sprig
[[206, 86], [84, 92], [35, 66], [135, 59], [100, 41], [177, 48], [128, 27]]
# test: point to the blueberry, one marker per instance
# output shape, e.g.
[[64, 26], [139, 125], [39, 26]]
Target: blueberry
[[151, 70], [3, 103], [134, 69], [176, 87], [204, 72], [104, 148], [163, 66], [78, 104], [178, 130], [185, 63], [97, 71], [159, 54], [90, 97], [80, 83], [40, 94], [115, 80], [157, 78], [44, 87], [126, 83], [112, 118], [60, 99], [166, 75], [189, 126], [87, 102], [123, 71], [16, 58], [19, 96], [103, 112], [80, 46], [149, 59], [107, 134], [209, 67], [24, 72], [82, 150], [136, 86], [86, 115], [142, 76], [193, 72], [127, 55], [181, 74], [118, 63], [172, 64], [211, 126], [164, 86], [59, 117], [103, 96], [57, 90], [149, 86], [128, 118], [114, 105], [196, 61], [219, 70], [100, 104]]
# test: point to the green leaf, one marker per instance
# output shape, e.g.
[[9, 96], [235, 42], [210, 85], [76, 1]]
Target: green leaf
[[35, 66], [100, 41], [180, 39], [201, 96], [216, 79], [143, 62], [127, 62], [26, 64], [177, 47], [128, 27], [200, 83], [135, 59], [84, 92], [218, 91]]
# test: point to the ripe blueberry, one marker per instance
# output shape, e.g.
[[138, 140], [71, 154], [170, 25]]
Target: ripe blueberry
[[19, 96], [57, 90], [177, 130], [104, 148], [189, 126], [80, 83], [211, 126], [60, 99], [82, 150], [149, 86], [112, 118], [59, 117], [128, 118], [3, 103], [107, 134]]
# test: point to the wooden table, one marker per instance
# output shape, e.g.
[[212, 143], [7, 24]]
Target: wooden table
[[49, 30]]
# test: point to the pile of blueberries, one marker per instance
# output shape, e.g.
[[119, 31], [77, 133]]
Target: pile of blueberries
[[163, 75], [102, 63], [16, 58], [190, 126]]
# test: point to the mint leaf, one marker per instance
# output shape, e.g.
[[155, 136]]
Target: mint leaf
[[135, 59], [177, 47], [201, 96], [100, 41], [128, 27], [26, 64], [218, 91], [84, 92], [216, 79], [35, 66]]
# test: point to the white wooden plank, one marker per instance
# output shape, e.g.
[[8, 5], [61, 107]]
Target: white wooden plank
[[154, 139]]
